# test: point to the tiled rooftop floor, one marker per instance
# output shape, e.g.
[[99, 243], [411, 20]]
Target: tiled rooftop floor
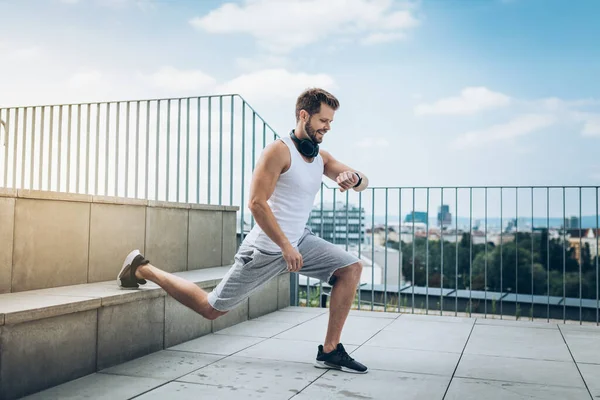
[[410, 357]]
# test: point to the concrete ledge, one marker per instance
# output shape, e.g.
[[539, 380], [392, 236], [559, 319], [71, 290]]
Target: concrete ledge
[[84, 239], [51, 336]]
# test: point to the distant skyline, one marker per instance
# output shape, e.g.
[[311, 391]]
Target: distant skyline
[[432, 92]]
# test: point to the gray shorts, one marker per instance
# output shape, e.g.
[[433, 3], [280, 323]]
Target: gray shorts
[[253, 268]]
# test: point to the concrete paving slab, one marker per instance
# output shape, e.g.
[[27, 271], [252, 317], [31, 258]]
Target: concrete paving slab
[[376, 385], [217, 344], [99, 387], [272, 376], [286, 350], [405, 360], [584, 345], [437, 318], [316, 330], [164, 364], [417, 335], [558, 373], [353, 322], [312, 310], [511, 341], [520, 324], [256, 329], [373, 314], [591, 376], [287, 317], [193, 391], [475, 389]]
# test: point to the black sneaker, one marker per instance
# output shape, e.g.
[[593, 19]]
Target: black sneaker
[[340, 360], [126, 278]]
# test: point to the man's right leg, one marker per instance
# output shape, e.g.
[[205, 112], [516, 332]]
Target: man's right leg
[[137, 270], [186, 292]]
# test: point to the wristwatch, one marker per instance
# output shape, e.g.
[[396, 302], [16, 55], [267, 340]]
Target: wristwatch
[[359, 179]]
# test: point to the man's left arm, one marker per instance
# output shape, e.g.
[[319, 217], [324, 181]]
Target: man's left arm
[[346, 177]]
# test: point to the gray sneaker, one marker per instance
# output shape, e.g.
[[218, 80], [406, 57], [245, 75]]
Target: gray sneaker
[[126, 278]]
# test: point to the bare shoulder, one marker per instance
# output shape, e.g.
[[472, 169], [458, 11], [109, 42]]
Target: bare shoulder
[[276, 156], [326, 156]]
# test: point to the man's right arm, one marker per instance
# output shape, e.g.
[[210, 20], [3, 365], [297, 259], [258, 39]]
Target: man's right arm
[[270, 165]]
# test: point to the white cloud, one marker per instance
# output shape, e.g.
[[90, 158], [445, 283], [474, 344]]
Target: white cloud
[[518, 126], [376, 38], [176, 80], [470, 101], [591, 126], [281, 26], [276, 83], [373, 142], [262, 62], [85, 79]]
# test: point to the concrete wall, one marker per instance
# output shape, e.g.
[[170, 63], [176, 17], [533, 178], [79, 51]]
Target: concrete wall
[[50, 239]]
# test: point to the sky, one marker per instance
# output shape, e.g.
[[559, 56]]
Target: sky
[[432, 92]]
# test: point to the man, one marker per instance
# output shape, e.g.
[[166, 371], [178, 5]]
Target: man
[[286, 180]]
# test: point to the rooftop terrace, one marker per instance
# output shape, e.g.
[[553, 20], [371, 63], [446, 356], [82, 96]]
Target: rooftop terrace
[[410, 356]]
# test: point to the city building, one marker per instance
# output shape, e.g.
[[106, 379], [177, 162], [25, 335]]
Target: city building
[[337, 226]]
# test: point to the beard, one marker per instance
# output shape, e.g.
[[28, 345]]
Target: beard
[[310, 132]]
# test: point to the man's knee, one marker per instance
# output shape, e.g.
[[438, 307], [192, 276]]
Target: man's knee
[[353, 271], [213, 313]]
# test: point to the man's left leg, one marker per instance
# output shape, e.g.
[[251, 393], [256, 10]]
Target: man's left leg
[[330, 263], [342, 296]]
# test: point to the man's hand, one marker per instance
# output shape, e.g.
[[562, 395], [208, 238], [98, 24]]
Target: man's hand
[[346, 180], [293, 258]]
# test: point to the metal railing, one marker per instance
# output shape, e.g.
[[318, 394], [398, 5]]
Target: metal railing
[[191, 149], [520, 251], [496, 251]]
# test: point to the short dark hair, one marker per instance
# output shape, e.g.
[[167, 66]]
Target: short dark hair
[[311, 99]]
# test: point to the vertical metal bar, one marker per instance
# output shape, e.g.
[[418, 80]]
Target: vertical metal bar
[[231, 156], [78, 162], [243, 166], [485, 286], [385, 247], [548, 254], [50, 141], [23, 148], [14, 171], [456, 253], [187, 151], [334, 216], [580, 263], [532, 230], [87, 150], [221, 150], [210, 144], [97, 159], [168, 147], [7, 133], [32, 158], [128, 113], [347, 226], [70, 116], [516, 247], [147, 170], [41, 165], [157, 150], [360, 239], [198, 151], [413, 251], [564, 259], [501, 255], [322, 215], [178, 160], [372, 246], [253, 156], [106, 151], [427, 258], [117, 129], [137, 149], [399, 244], [470, 250], [597, 257], [442, 251], [59, 159]]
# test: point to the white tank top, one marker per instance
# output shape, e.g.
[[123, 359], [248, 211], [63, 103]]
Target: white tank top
[[292, 200]]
